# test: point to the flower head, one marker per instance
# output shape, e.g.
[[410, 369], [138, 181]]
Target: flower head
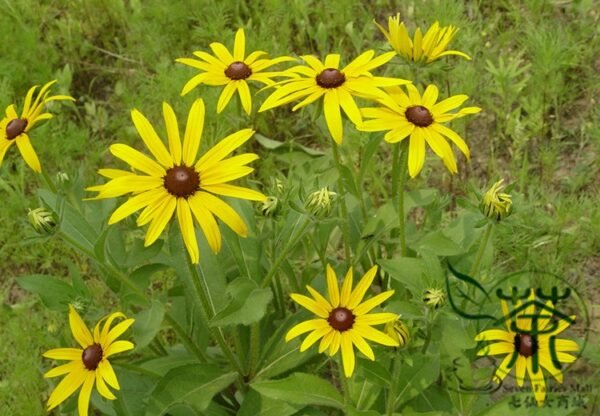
[[495, 204], [180, 182], [423, 120], [430, 47], [344, 320], [530, 343], [231, 70], [338, 87], [434, 297], [14, 129], [89, 364]]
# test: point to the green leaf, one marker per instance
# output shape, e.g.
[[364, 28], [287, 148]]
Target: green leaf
[[131, 398], [436, 242], [139, 254], [55, 293], [194, 385], [416, 378], [147, 324], [267, 143], [248, 304], [300, 388], [406, 270], [257, 404]]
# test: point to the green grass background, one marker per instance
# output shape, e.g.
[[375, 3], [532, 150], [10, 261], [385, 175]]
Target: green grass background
[[535, 72]]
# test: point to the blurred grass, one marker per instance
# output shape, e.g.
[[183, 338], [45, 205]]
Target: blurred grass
[[535, 72]]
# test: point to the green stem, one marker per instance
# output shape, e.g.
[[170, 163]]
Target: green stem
[[203, 294], [342, 199], [48, 182], [399, 175], [254, 348], [343, 381], [283, 255], [482, 247], [391, 402], [121, 277]]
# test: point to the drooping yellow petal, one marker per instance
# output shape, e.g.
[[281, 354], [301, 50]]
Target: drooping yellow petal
[[80, 331], [66, 388], [245, 98], [28, 153], [503, 369], [334, 346], [226, 95], [83, 402], [193, 132], [333, 117], [224, 212], [349, 106], [108, 374], [136, 203], [160, 221], [416, 152], [103, 388], [520, 367], [348, 359], [362, 345], [207, 223], [313, 337], [326, 340], [537, 383], [188, 231]]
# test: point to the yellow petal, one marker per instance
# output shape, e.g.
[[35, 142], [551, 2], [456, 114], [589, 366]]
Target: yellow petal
[[495, 335], [334, 346], [319, 298], [565, 345], [376, 318], [374, 335], [64, 353], [207, 223], [502, 347], [441, 148], [223, 148], [235, 192], [448, 104], [366, 307], [188, 231], [503, 369], [117, 347], [172, 133], [222, 53], [160, 221], [326, 340], [400, 133], [520, 367], [224, 212], [346, 289], [83, 403], [348, 359], [239, 45], [137, 160], [75, 365], [245, 97], [313, 337], [66, 388], [537, 382], [151, 139], [108, 374], [361, 288], [103, 388], [416, 152], [226, 95], [349, 106], [362, 345], [193, 83], [80, 332], [332, 61], [107, 324], [333, 117], [29, 155], [305, 327], [332, 287], [311, 305], [115, 332], [430, 96], [193, 132], [135, 203], [455, 138]]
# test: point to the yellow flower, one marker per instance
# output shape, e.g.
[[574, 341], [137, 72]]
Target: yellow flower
[[527, 348], [232, 70], [180, 182], [89, 364], [344, 320], [421, 119], [14, 129], [430, 47], [336, 86], [495, 203]]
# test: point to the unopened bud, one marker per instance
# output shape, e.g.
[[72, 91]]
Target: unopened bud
[[434, 297], [270, 206], [496, 204], [398, 331], [320, 202], [42, 220]]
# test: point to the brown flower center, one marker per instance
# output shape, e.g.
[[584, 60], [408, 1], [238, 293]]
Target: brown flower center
[[419, 116], [238, 70], [341, 319], [182, 181], [15, 127], [92, 356], [330, 78], [526, 345]]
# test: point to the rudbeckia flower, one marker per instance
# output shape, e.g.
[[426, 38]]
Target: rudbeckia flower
[[14, 129], [430, 47], [89, 364], [338, 87], [344, 320], [530, 349], [180, 182], [233, 70], [422, 119]]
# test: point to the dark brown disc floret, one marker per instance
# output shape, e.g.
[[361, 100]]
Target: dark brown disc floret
[[238, 70], [341, 319], [331, 78], [419, 116], [182, 181], [92, 356], [526, 344], [15, 127]]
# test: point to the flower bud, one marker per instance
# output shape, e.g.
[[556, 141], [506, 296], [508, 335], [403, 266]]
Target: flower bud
[[62, 178], [495, 204], [434, 297], [42, 220], [398, 331], [320, 202], [270, 206]]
